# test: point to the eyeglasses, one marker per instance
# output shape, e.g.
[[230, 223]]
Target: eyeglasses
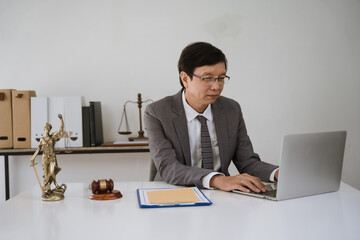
[[211, 80]]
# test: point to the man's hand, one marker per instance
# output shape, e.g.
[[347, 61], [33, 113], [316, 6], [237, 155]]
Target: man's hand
[[243, 182]]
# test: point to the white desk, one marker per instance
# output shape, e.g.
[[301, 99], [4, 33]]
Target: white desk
[[106, 148], [232, 216]]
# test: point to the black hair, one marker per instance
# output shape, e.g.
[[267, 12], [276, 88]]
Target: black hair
[[199, 54]]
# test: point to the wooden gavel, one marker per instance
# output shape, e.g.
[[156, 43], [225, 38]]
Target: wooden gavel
[[102, 186]]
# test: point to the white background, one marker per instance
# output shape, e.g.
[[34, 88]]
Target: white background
[[294, 67]]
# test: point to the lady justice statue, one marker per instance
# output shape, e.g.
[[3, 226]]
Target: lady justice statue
[[49, 162]]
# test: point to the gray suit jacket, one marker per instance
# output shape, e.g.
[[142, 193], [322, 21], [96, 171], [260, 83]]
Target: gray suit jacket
[[166, 126]]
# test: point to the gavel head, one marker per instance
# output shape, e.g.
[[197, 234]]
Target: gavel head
[[102, 186]]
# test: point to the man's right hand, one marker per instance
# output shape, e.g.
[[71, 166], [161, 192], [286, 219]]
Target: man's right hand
[[243, 182]]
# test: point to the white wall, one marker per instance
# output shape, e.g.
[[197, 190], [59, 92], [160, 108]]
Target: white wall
[[294, 65]]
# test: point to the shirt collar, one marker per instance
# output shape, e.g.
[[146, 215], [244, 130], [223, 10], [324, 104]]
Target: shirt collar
[[191, 113]]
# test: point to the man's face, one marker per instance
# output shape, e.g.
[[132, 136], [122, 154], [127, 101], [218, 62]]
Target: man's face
[[198, 94]]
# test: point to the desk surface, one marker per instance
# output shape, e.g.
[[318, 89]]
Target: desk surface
[[232, 216], [107, 148]]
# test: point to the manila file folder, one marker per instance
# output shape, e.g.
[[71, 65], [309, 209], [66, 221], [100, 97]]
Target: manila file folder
[[173, 197], [21, 118], [6, 135]]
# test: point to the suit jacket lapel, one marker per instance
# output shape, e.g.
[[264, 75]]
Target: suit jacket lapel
[[221, 133], [180, 126]]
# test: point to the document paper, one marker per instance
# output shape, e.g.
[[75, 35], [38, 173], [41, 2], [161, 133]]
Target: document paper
[[173, 196]]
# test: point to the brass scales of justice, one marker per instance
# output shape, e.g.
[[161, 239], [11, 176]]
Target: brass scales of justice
[[141, 136]]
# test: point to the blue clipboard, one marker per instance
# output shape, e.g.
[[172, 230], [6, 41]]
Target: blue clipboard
[[145, 203]]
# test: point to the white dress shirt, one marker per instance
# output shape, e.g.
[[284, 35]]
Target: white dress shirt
[[194, 126]]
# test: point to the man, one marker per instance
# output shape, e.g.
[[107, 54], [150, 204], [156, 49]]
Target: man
[[176, 134]]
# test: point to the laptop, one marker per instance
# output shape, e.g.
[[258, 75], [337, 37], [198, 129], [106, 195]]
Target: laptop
[[310, 164]]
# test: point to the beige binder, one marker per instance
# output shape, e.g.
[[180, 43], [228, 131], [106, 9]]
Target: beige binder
[[6, 135], [22, 118]]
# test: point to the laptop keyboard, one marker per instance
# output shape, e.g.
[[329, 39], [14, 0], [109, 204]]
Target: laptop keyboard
[[269, 193], [270, 190], [271, 187]]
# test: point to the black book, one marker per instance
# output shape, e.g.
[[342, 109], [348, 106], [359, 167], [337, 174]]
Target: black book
[[96, 129], [86, 126]]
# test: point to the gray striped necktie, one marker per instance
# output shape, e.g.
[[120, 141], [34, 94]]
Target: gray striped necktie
[[206, 149]]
